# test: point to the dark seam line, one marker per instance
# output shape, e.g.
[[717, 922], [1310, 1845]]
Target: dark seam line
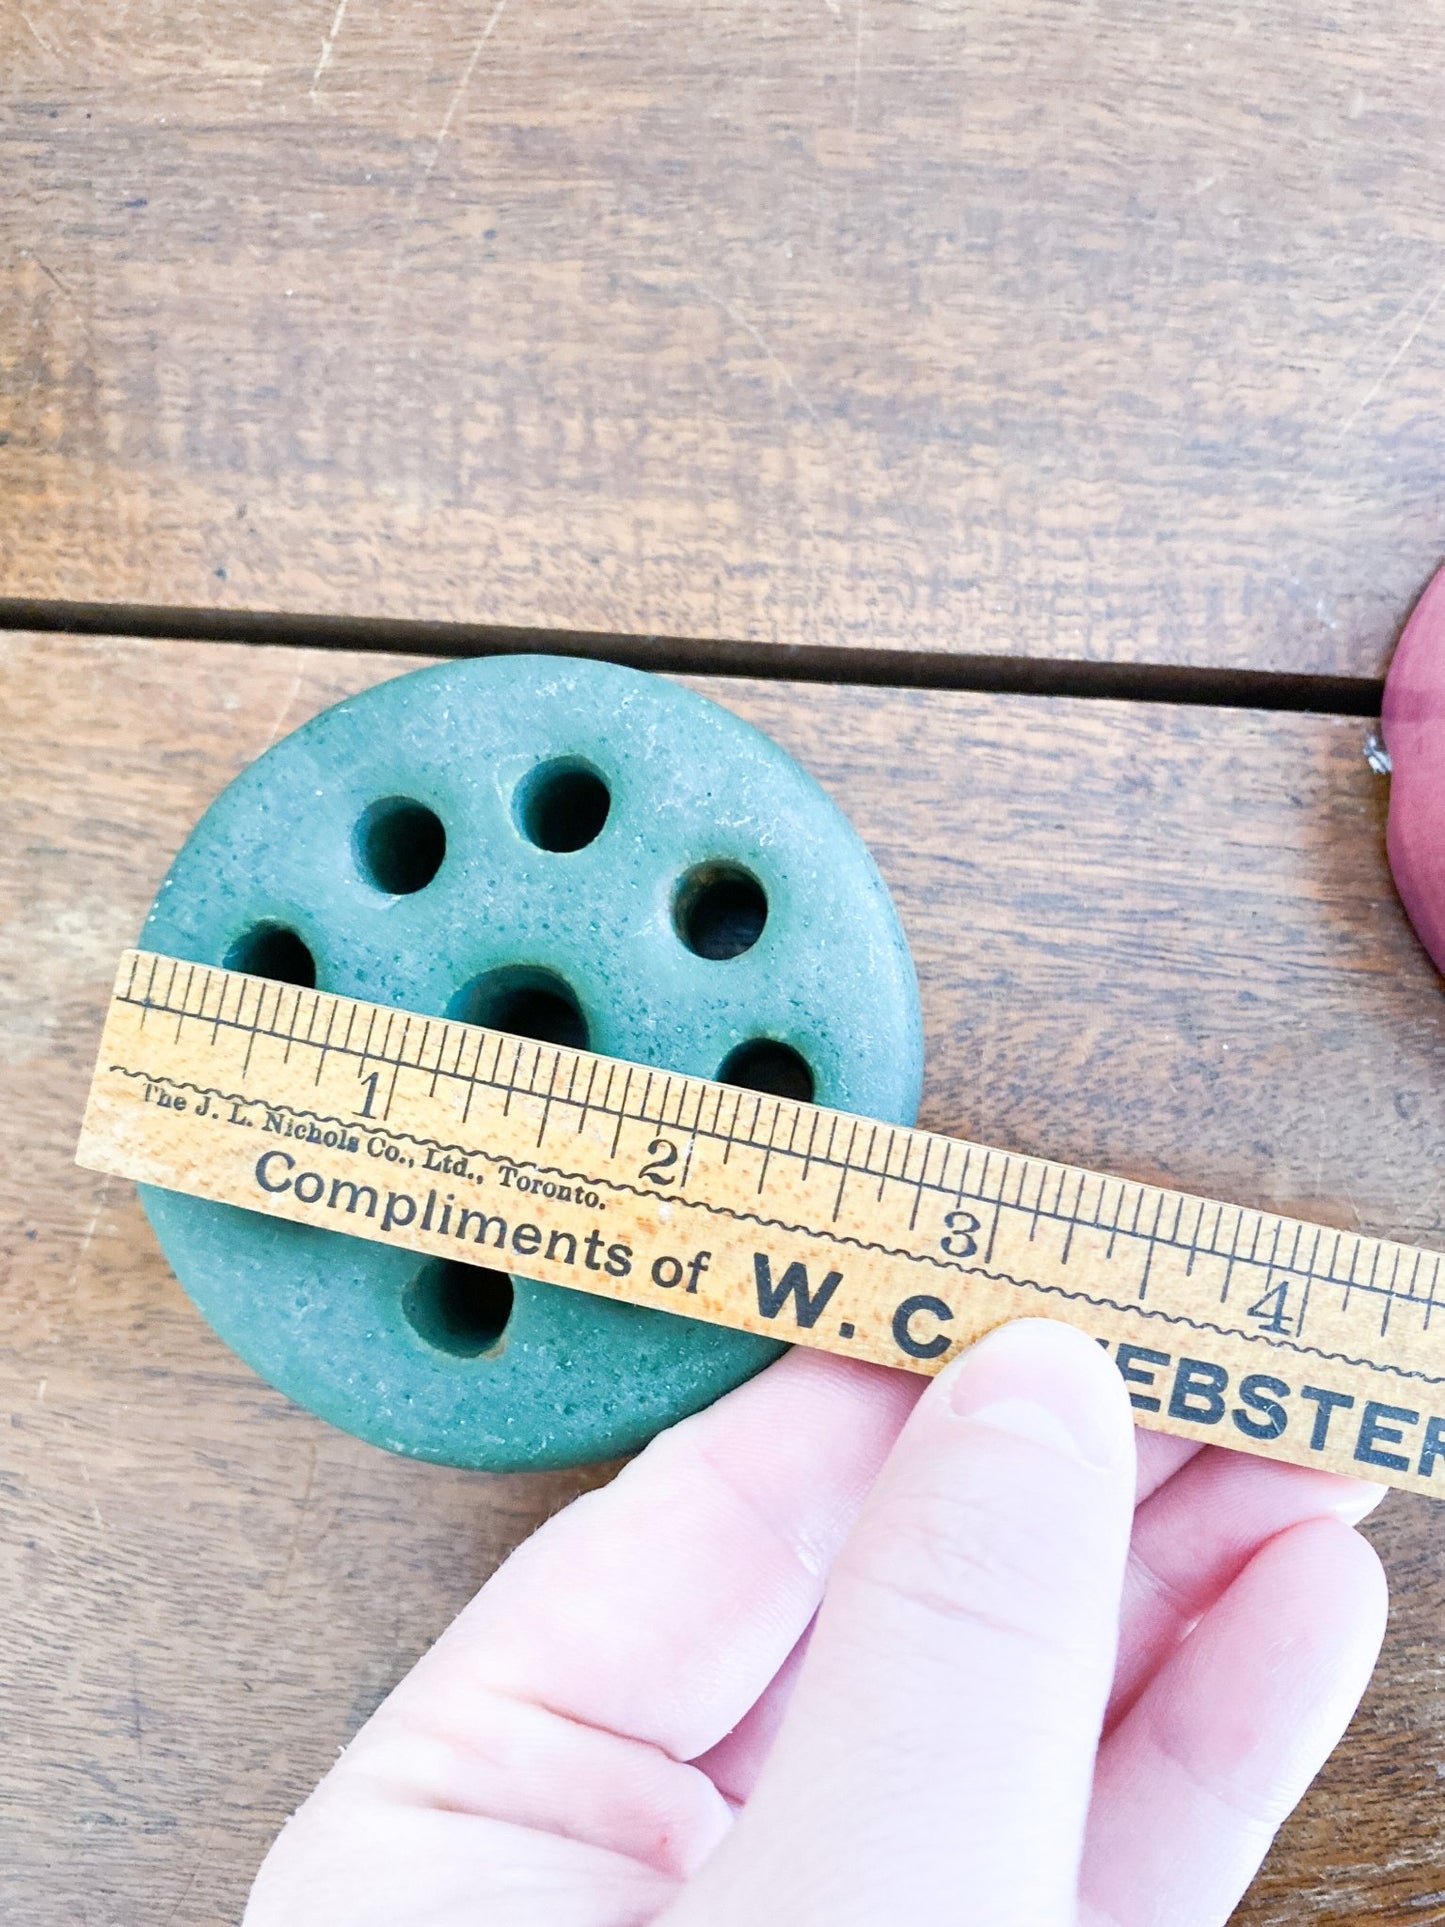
[[675, 655]]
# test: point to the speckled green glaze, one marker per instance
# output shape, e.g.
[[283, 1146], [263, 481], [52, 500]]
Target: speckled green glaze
[[321, 1315]]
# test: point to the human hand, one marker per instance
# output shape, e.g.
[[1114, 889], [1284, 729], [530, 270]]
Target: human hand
[[1030, 1696]]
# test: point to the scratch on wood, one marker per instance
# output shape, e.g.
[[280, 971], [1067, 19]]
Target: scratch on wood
[[1394, 362], [85, 1475], [137, 1717], [857, 67], [783, 374], [294, 1547], [284, 711], [38, 36], [200, 1861], [461, 87], [807, 407], [87, 1237], [54, 279], [327, 44]]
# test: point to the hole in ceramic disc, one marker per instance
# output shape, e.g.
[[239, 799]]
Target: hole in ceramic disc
[[562, 806], [720, 910], [525, 1002], [459, 1309], [400, 845], [273, 950], [764, 1065]]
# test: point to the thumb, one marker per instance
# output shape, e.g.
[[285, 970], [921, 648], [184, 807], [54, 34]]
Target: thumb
[[936, 1759]]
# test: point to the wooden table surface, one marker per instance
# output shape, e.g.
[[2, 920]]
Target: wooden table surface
[[1161, 940], [1113, 332], [887, 346]]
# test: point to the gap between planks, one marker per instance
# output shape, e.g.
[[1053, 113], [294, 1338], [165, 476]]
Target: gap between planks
[[769, 661]]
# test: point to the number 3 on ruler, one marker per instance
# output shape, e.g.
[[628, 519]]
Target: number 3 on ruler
[[1270, 1308], [959, 1240]]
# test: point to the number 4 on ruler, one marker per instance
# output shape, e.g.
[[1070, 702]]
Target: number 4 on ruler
[[1269, 1309]]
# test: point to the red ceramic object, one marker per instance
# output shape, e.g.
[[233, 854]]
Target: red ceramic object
[[1413, 726]]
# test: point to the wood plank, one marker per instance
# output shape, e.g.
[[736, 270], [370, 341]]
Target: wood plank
[[1024, 330], [1163, 941]]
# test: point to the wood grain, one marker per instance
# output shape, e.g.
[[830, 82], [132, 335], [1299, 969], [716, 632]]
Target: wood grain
[[1159, 941], [1106, 332]]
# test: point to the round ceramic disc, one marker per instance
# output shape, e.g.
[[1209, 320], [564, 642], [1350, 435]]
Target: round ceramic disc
[[571, 851]]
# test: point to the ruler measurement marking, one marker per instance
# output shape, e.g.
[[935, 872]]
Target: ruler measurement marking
[[1414, 1275], [220, 1005], [1173, 1238], [321, 1054], [508, 1085], [1294, 1247], [714, 1130], [621, 1113], [843, 1171], [1349, 1278], [1389, 1296], [1103, 1220], [181, 1013], [1151, 1247], [1304, 1304], [1118, 1207], [997, 1207], [1038, 1200], [1056, 1208], [547, 1104], [468, 1081], [586, 1105], [409, 1055], [767, 1154], [396, 1069], [250, 1046], [436, 1069], [1273, 1249], [866, 1168], [808, 1152], [1069, 1234], [1232, 1259], [454, 1075], [918, 1182], [1194, 1239], [692, 1137], [1018, 1203], [963, 1190]]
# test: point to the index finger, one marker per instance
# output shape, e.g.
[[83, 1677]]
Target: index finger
[[660, 1606]]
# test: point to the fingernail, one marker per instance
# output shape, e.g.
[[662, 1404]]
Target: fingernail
[[1358, 1502], [1044, 1381]]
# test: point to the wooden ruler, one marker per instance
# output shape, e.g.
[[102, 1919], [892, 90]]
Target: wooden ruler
[[1229, 1325]]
